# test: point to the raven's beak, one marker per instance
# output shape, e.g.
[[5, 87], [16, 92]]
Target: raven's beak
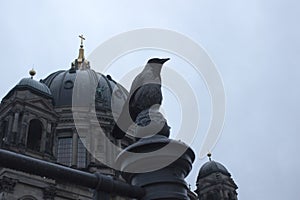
[[163, 60]]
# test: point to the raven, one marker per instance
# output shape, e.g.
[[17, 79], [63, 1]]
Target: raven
[[145, 92]]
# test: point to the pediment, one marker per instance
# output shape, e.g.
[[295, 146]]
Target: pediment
[[40, 103]]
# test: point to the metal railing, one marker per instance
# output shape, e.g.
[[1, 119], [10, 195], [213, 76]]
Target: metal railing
[[97, 181]]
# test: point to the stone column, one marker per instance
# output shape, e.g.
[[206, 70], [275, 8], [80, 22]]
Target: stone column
[[74, 148], [49, 138], [43, 139], [2, 136], [9, 133], [46, 138], [92, 144], [23, 132], [54, 140], [221, 193], [16, 122]]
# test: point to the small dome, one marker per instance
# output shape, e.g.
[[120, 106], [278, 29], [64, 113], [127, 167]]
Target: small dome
[[34, 85], [61, 84], [212, 167]]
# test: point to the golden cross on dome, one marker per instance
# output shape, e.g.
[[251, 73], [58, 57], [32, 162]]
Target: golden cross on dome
[[81, 40]]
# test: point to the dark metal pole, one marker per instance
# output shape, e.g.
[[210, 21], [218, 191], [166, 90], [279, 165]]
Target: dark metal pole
[[97, 181]]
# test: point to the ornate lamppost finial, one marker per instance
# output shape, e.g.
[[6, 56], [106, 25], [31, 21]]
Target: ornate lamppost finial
[[209, 156], [32, 73]]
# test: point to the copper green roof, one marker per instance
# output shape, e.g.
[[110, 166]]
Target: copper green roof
[[35, 85]]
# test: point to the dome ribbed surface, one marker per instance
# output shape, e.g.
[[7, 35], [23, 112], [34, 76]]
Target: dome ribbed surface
[[35, 85], [212, 167], [62, 84]]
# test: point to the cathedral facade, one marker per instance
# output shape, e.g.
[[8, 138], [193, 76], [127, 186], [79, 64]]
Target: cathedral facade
[[36, 120]]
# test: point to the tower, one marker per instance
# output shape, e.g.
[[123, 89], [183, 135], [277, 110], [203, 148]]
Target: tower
[[214, 182], [28, 119]]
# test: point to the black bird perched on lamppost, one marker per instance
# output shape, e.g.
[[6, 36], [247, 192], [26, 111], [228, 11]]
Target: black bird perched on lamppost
[[145, 92]]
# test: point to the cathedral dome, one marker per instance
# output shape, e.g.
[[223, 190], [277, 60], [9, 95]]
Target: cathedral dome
[[85, 84], [34, 85], [61, 84], [212, 167]]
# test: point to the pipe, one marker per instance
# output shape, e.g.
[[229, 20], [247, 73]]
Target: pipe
[[42, 168]]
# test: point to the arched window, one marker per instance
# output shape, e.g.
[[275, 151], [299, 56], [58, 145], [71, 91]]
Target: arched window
[[81, 150], [64, 151], [34, 135]]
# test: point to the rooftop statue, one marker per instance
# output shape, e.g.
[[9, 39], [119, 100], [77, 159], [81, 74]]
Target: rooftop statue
[[142, 105]]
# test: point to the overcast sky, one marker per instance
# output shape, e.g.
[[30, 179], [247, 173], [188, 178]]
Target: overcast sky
[[255, 45]]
